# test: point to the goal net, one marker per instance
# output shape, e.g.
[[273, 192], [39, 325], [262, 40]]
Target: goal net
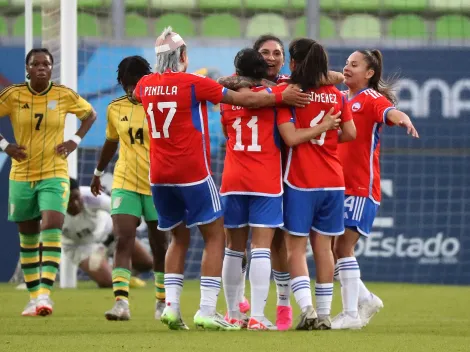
[[420, 232]]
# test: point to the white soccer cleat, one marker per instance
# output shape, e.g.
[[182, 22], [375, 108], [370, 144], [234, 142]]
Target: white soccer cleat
[[323, 323], [44, 305], [369, 308], [261, 324], [345, 321], [30, 309], [119, 312], [308, 319], [159, 307]]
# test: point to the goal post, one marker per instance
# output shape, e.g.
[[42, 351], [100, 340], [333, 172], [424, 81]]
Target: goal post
[[59, 35]]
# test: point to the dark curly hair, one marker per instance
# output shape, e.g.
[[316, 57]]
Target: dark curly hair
[[131, 69], [250, 63]]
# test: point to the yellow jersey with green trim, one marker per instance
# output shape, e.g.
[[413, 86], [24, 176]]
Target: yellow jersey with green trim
[[38, 121], [127, 124]]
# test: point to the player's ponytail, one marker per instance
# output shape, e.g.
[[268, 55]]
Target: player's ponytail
[[310, 63], [374, 61]]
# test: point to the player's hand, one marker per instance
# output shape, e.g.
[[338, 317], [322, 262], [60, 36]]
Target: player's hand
[[95, 186], [410, 129], [66, 148], [16, 152], [330, 121], [293, 96]]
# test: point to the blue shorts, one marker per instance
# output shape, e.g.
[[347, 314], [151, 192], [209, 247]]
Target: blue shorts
[[320, 211], [359, 214], [195, 205], [255, 211]]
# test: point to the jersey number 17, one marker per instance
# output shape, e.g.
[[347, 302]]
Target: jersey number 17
[[162, 106]]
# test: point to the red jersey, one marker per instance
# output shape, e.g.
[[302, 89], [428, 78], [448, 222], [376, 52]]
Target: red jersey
[[360, 157], [315, 165], [253, 155], [175, 104]]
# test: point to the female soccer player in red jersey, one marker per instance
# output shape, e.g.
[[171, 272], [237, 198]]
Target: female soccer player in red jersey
[[372, 104], [175, 103], [314, 184], [252, 191], [272, 50]]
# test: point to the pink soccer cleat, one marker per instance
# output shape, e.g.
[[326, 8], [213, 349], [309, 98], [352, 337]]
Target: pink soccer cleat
[[284, 317], [244, 306]]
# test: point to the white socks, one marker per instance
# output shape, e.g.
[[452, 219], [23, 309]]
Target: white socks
[[350, 277], [324, 297], [232, 274], [282, 280], [210, 288], [302, 293], [173, 287], [260, 277]]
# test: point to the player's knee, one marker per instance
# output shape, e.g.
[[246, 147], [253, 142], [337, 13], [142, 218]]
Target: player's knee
[[343, 248], [52, 220]]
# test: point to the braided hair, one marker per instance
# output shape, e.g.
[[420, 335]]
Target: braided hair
[[131, 69]]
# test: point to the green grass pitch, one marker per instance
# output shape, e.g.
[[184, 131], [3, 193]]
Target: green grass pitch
[[415, 318]]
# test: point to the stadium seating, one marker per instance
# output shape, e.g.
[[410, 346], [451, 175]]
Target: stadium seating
[[404, 6], [87, 25], [136, 25], [183, 23], [3, 27], [137, 4], [358, 19], [360, 27], [19, 24], [407, 26], [327, 27], [173, 4], [222, 25], [357, 5], [453, 27], [92, 4], [272, 5], [220, 4], [267, 23], [450, 5]]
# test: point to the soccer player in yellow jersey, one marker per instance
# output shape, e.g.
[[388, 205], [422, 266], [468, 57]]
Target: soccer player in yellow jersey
[[39, 178], [131, 197]]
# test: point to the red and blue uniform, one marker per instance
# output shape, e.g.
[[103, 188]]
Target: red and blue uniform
[[360, 159], [180, 172], [314, 182], [252, 178]]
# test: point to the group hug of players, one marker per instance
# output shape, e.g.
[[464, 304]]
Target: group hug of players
[[302, 161]]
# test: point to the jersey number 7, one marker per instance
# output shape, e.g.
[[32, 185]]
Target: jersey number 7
[[171, 105]]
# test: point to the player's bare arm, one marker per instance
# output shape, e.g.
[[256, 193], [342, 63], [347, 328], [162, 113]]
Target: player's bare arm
[[107, 152], [293, 136], [401, 119], [238, 82], [69, 146], [333, 78], [14, 151], [290, 96], [348, 132]]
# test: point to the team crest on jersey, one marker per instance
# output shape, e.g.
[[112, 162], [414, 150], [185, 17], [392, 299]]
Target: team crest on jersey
[[52, 104], [356, 106]]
